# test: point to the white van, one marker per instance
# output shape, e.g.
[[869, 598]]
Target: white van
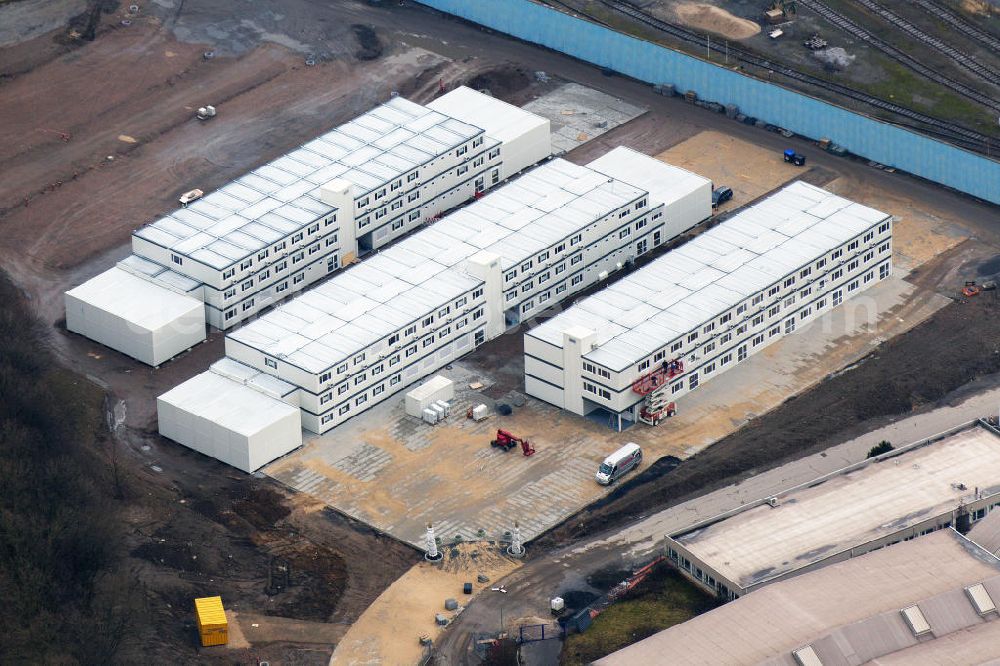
[[619, 462]]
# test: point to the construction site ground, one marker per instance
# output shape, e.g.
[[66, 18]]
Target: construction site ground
[[66, 210], [390, 631]]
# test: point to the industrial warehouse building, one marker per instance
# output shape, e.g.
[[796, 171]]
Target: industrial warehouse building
[[295, 220], [931, 600], [631, 350], [399, 316], [949, 481]]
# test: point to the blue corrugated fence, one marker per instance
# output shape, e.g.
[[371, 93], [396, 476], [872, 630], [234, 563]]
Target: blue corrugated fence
[[879, 141]]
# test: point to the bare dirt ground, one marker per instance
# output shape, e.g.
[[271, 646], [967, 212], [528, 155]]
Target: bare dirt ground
[[748, 169], [715, 20]]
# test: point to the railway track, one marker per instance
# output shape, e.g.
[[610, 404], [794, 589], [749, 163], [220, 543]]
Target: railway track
[[959, 23], [849, 26], [950, 132], [963, 60]]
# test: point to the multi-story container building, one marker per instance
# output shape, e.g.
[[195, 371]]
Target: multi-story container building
[[295, 220], [416, 306], [634, 348]]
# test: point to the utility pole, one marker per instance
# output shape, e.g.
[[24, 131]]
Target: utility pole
[[708, 46]]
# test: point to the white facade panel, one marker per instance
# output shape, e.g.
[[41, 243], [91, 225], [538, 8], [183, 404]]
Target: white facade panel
[[143, 320], [547, 372], [543, 391]]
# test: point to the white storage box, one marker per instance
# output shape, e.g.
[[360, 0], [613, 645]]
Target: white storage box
[[434, 389]]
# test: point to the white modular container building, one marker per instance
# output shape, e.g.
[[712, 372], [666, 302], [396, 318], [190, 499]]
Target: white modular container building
[[525, 138], [147, 322], [292, 222], [422, 397], [232, 414], [686, 196], [377, 328], [634, 348], [399, 316]]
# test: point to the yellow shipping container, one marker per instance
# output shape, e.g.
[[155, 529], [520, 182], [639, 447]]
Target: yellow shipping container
[[212, 624]]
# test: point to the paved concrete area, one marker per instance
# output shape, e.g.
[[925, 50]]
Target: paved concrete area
[[579, 114]]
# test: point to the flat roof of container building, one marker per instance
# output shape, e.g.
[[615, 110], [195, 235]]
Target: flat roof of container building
[[665, 183], [537, 210], [812, 523], [354, 309], [143, 304], [500, 120], [712, 273], [281, 197], [423, 272], [228, 403]]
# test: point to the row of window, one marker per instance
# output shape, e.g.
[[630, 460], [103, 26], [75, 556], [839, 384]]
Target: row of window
[[286, 244], [410, 331], [573, 241], [260, 278], [789, 327], [380, 194], [378, 389], [758, 299]]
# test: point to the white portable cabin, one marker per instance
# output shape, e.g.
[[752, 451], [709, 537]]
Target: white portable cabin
[[229, 421], [424, 396], [143, 320], [524, 137]]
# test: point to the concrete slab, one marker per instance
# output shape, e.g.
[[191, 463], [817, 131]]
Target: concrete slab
[[578, 114]]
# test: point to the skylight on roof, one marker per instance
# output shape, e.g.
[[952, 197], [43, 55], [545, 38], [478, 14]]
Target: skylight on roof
[[981, 599], [915, 620]]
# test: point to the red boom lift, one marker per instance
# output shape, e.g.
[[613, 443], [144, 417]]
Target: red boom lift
[[506, 441]]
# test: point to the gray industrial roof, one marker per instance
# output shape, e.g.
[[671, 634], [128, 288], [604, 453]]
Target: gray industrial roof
[[986, 532], [847, 613], [420, 274], [810, 524], [712, 273], [281, 197]]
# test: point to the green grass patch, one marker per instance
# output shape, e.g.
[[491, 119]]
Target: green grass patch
[[661, 601]]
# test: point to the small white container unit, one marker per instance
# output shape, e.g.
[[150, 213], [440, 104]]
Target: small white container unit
[[435, 389], [430, 416]]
